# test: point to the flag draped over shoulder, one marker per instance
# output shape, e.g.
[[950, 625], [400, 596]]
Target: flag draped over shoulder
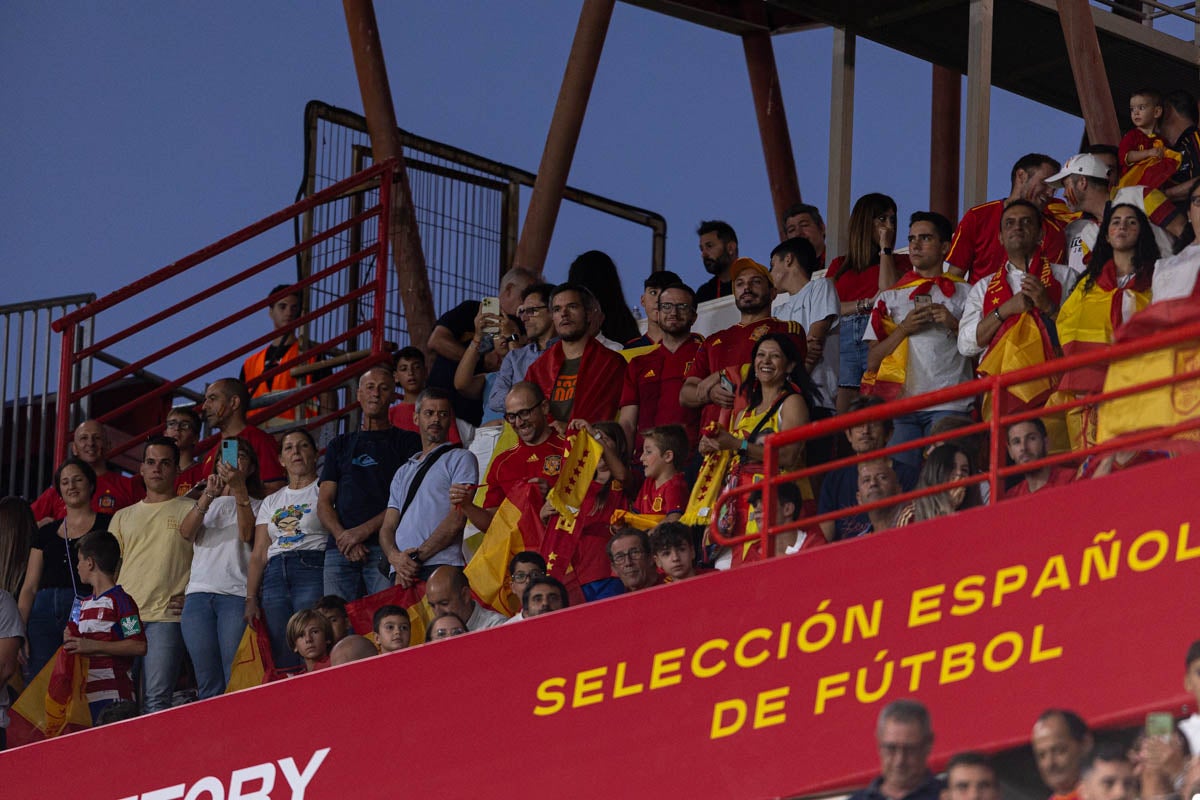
[[1022, 341], [1167, 405], [1089, 318], [516, 526]]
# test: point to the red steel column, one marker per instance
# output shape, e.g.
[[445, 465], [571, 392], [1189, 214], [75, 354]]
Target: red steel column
[[1087, 66], [772, 122], [564, 133], [944, 127], [407, 255]]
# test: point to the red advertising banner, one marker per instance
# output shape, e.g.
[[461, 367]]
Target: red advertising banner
[[762, 682]]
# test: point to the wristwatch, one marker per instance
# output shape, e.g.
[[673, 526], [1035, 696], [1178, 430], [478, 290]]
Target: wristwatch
[[885, 251]]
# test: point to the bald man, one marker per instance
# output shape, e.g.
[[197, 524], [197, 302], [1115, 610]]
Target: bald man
[[113, 491], [351, 648], [448, 590]]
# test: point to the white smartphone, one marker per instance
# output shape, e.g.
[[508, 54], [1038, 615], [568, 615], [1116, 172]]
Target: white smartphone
[[490, 305]]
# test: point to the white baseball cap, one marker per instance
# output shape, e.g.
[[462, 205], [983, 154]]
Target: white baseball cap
[[1084, 164]]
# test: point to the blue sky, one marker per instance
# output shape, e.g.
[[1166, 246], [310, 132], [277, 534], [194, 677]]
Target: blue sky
[[139, 132]]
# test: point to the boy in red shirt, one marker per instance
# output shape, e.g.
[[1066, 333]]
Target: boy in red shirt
[[664, 452]]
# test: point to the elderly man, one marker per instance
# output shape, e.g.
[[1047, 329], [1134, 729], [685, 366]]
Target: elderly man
[[629, 552], [226, 403], [355, 483], [904, 736], [113, 490], [877, 481], [804, 221], [448, 590], [422, 530]]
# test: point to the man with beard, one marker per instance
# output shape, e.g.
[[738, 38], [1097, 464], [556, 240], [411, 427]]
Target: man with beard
[[721, 362], [650, 394], [226, 403], [1026, 444], [421, 529], [355, 481], [580, 376], [718, 251], [537, 456], [975, 252]]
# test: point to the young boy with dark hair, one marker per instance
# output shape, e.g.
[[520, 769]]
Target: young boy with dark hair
[[674, 554], [664, 452], [393, 628], [333, 608], [109, 631]]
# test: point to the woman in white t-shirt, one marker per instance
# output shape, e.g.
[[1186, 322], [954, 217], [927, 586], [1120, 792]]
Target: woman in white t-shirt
[[221, 529], [288, 561]]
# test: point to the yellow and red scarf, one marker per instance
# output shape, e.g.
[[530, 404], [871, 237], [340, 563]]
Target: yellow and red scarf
[[1022, 340], [1089, 319]]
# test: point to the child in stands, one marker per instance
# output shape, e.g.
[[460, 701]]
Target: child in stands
[[664, 452], [333, 608], [1143, 157], [109, 631], [310, 636], [393, 629], [674, 555]]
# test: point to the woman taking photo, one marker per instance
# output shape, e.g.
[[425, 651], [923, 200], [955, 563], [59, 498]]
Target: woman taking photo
[[868, 267], [51, 583], [220, 527], [288, 561], [1115, 287]]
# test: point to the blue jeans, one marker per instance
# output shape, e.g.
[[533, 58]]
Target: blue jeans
[[160, 665], [212, 630], [292, 582], [852, 350], [912, 426], [351, 580], [47, 620]]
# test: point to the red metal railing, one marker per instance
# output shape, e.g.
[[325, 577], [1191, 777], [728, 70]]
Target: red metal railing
[[379, 176], [996, 472]]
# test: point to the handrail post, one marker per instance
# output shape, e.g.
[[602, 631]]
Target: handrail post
[[62, 416], [381, 258], [768, 501]]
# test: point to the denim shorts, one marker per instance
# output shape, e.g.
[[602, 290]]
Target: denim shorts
[[852, 349]]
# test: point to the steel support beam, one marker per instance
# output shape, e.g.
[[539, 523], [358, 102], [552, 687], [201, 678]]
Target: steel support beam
[[841, 140], [772, 123], [564, 133], [1087, 67], [944, 129], [407, 255], [979, 102]]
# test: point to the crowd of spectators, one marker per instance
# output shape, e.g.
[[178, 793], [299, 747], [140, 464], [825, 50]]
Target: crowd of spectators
[[267, 528]]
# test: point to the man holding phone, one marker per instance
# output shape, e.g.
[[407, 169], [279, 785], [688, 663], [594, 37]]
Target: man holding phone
[[913, 334], [226, 402]]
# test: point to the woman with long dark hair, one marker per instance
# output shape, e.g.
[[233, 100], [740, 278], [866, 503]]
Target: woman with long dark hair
[[598, 272], [868, 267], [1115, 287], [944, 464], [51, 583], [16, 533]]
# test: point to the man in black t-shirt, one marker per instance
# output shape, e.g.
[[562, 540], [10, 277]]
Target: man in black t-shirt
[[454, 331], [354, 488]]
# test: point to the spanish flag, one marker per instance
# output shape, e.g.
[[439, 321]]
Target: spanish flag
[[53, 703], [707, 488], [517, 526], [641, 522], [1167, 405], [574, 478], [1022, 341], [362, 612], [1152, 172], [1090, 316]]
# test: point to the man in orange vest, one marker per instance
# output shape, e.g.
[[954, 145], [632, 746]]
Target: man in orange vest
[[283, 348]]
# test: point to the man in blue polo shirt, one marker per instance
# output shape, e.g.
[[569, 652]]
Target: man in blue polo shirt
[[421, 529], [354, 488], [904, 736]]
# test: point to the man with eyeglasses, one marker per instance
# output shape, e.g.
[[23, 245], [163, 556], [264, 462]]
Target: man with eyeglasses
[[534, 313], [580, 377], [114, 491], [183, 425], [629, 552], [524, 568], [653, 380], [537, 456], [905, 737], [421, 530]]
